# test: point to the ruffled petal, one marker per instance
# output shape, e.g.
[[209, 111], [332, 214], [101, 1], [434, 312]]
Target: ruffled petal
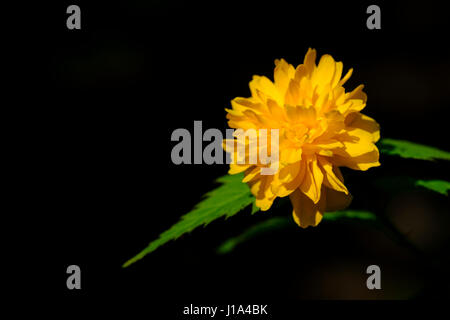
[[306, 213]]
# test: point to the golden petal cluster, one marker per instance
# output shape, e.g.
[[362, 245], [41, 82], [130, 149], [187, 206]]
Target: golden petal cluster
[[321, 128]]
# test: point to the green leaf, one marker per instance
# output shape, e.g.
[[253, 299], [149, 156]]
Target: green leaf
[[361, 215], [402, 183], [225, 201], [439, 186], [278, 223], [406, 149], [255, 209]]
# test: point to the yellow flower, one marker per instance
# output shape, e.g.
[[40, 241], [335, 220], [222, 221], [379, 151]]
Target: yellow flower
[[320, 129]]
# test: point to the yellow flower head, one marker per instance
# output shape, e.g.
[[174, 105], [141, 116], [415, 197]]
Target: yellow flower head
[[320, 129]]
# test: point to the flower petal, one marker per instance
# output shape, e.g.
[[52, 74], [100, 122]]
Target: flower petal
[[312, 182], [310, 60], [363, 122], [287, 183], [337, 74], [330, 179], [362, 162], [306, 213], [283, 73], [237, 168], [324, 72], [261, 189], [263, 89], [336, 200]]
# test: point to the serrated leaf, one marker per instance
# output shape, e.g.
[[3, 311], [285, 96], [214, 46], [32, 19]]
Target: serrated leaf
[[407, 149], [225, 201], [255, 209]]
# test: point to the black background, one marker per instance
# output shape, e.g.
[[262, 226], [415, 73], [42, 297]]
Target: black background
[[111, 94]]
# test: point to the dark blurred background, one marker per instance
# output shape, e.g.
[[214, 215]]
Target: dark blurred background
[[117, 88]]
